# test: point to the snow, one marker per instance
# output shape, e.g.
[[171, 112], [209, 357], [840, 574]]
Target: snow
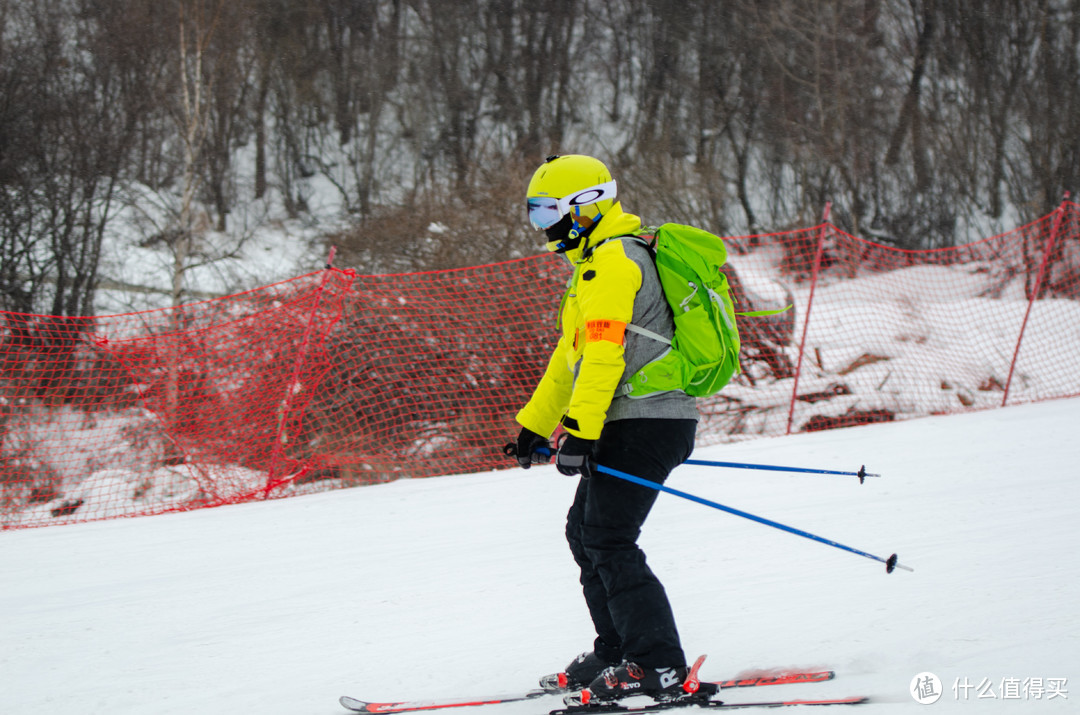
[[459, 586]]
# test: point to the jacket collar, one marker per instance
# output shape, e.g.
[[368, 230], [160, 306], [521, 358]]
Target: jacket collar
[[615, 222]]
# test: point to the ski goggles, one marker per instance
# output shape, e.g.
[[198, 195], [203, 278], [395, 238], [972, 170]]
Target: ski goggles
[[546, 211]]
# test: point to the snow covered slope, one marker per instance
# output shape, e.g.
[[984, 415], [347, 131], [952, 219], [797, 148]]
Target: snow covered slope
[[459, 586]]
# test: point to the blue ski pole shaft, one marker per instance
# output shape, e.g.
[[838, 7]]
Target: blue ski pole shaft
[[890, 563], [861, 474]]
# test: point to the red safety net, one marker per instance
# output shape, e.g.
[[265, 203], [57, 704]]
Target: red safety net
[[334, 379]]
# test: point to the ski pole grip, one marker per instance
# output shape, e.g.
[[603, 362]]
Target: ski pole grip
[[510, 450]]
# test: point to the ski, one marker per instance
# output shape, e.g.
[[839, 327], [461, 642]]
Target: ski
[[782, 679], [407, 706], [389, 708], [691, 702]]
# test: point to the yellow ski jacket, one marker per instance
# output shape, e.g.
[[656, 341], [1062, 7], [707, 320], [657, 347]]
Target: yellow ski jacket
[[589, 362]]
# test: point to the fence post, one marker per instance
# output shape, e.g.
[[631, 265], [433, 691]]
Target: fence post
[[1060, 214], [294, 379], [806, 316]]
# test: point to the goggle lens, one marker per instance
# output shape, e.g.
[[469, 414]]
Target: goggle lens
[[543, 212]]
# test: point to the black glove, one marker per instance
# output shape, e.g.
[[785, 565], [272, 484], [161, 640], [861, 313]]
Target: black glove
[[575, 456], [527, 444]]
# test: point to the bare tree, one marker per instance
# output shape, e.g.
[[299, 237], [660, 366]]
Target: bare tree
[[1050, 110], [68, 129], [922, 120]]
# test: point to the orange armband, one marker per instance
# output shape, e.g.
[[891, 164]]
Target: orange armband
[[612, 331]]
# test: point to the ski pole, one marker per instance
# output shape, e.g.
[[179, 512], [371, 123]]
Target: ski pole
[[862, 474], [891, 563]]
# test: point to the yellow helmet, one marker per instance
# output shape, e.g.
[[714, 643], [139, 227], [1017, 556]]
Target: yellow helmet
[[574, 185]]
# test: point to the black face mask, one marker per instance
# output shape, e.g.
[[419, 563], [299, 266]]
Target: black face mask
[[560, 234]]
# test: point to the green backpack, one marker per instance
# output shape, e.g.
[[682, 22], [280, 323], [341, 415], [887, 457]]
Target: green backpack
[[704, 354]]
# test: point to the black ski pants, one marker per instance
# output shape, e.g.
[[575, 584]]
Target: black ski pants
[[628, 604]]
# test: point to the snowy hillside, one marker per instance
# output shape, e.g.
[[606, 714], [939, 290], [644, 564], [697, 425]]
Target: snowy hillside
[[460, 586]]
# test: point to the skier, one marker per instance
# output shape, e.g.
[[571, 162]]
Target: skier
[[614, 285]]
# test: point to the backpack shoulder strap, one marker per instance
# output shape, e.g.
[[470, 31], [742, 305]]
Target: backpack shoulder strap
[[648, 242]]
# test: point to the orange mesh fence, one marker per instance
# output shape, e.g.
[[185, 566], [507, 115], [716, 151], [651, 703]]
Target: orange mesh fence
[[334, 379], [884, 334], [143, 413]]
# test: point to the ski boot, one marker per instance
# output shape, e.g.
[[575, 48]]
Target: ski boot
[[581, 672], [629, 679]]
